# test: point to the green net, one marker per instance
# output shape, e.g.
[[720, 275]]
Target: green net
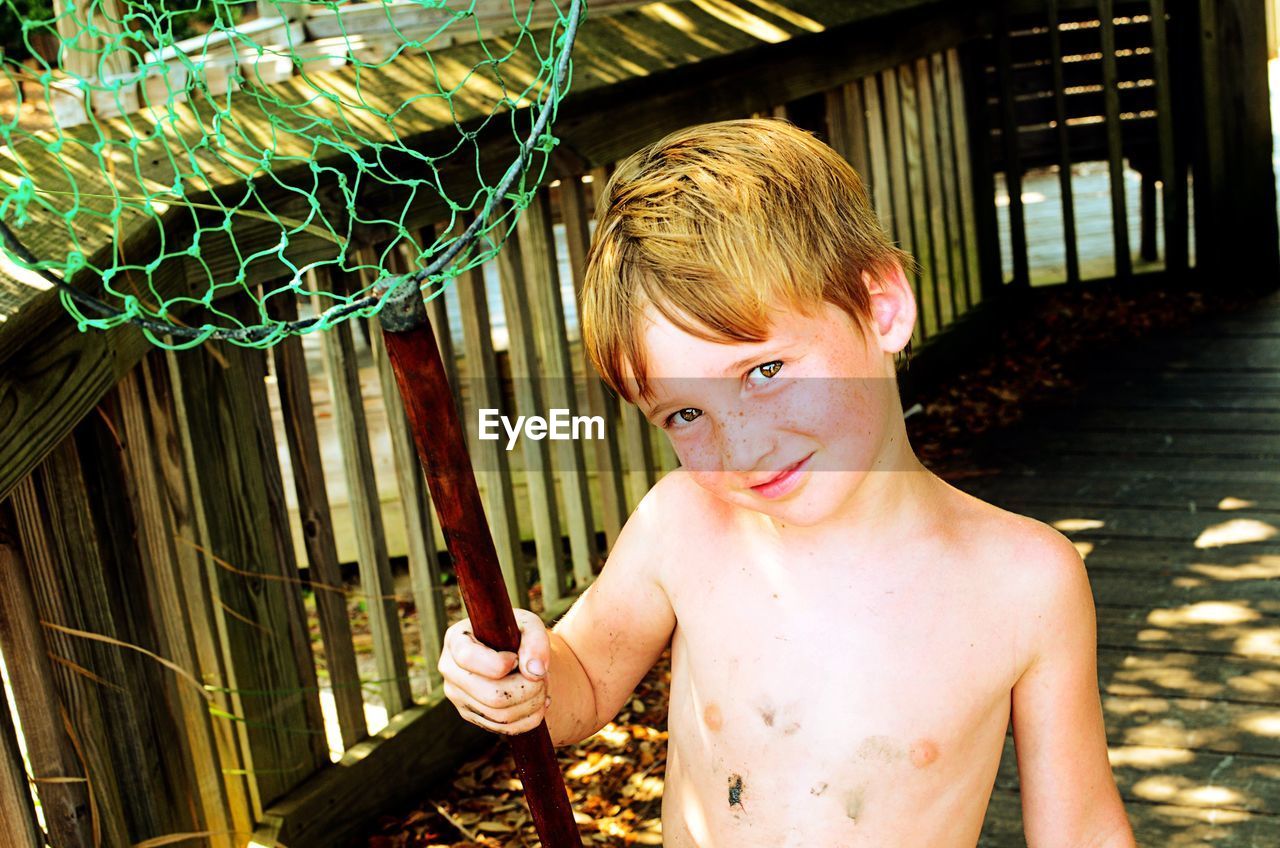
[[174, 158]]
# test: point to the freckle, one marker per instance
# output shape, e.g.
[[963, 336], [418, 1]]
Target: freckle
[[713, 717], [791, 728], [923, 752], [818, 789], [766, 715]]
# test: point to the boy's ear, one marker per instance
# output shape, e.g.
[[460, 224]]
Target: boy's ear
[[893, 308]]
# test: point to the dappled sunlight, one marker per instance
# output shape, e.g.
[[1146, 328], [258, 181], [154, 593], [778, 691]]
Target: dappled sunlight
[[1084, 548], [1235, 503], [1265, 567], [1208, 612], [1262, 724], [1263, 682], [1135, 706], [742, 19], [1076, 525], [1259, 643], [1141, 756], [1238, 531]]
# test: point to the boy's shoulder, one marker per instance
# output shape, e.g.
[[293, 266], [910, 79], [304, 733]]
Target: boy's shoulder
[[1037, 574]]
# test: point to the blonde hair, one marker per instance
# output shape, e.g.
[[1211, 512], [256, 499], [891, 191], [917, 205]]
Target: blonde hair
[[716, 226]]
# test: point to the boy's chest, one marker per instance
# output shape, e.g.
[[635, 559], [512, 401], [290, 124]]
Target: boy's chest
[[823, 694]]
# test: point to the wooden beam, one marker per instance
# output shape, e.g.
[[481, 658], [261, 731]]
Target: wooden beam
[[1012, 161]]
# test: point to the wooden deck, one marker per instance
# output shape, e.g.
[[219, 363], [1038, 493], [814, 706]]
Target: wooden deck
[[1164, 474]]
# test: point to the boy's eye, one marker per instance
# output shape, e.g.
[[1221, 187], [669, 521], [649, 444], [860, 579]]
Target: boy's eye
[[683, 416], [768, 371]]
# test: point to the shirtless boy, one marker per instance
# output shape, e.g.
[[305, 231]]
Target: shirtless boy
[[850, 634]]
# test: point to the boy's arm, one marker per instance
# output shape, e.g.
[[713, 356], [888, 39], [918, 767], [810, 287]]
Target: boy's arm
[[1069, 796], [606, 643]]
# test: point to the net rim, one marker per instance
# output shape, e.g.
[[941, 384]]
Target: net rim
[[280, 330]]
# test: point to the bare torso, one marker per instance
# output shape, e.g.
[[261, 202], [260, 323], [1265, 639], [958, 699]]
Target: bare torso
[[838, 700]]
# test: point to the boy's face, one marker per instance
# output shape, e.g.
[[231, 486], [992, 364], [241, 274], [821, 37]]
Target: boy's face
[[789, 426]]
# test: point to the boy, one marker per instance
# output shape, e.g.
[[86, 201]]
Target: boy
[[850, 635]]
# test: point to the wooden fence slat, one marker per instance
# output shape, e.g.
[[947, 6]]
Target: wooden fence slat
[[959, 272], [491, 458], [175, 453], [67, 573], [539, 482], [1064, 147], [298, 413], [903, 216], [18, 827], [847, 127], [258, 612], [537, 241], [965, 193], [160, 562], [423, 555], [66, 806], [881, 188], [377, 584], [639, 453], [1115, 148], [943, 274], [927, 291], [613, 496]]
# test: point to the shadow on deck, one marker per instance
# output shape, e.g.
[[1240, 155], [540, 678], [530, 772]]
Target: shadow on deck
[[1166, 475]]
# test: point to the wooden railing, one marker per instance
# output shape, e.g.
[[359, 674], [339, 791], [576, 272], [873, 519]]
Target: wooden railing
[[163, 571]]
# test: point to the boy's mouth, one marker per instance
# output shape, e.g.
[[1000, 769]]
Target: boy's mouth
[[782, 482]]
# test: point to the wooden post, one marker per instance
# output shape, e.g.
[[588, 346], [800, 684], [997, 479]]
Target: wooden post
[[1115, 150], [1064, 148], [1012, 160], [63, 798], [1236, 236], [1173, 179], [18, 827], [913, 151], [439, 438]]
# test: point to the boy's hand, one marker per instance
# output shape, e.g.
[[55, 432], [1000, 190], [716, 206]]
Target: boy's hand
[[497, 690]]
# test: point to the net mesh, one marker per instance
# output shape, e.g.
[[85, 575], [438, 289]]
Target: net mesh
[[265, 147]]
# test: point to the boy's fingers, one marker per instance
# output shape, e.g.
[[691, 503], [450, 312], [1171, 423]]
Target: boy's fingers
[[493, 694], [535, 645], [472, 656], [511, 720]]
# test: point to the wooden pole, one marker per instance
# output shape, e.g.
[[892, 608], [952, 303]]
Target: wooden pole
[[438, 435]]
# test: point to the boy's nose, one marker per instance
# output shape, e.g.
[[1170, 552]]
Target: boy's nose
[[747, 446]]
